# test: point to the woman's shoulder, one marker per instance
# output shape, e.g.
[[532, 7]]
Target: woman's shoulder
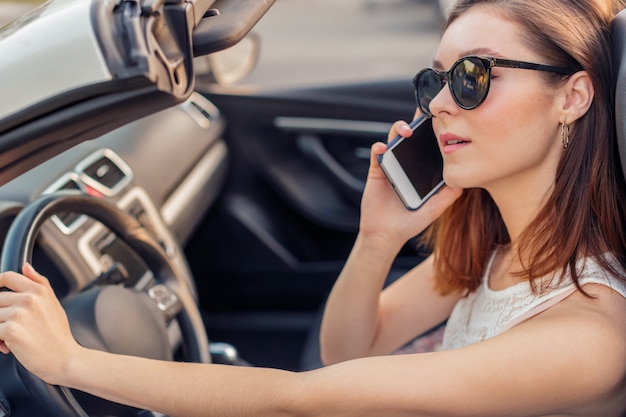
[[591, 332], [600, 316], [594, 271], [601, 305]]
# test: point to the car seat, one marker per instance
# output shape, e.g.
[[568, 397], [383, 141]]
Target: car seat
[[618, 45], [310, 357], [618, 50]]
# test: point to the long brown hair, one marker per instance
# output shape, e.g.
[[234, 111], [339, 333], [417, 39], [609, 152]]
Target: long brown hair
[[584, 215]]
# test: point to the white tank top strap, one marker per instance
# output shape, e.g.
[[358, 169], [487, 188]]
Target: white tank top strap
[[539, 309], [485, 313]]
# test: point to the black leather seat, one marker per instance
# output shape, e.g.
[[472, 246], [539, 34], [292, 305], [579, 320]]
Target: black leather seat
[[310, 357], [618, 48], [618, 43]]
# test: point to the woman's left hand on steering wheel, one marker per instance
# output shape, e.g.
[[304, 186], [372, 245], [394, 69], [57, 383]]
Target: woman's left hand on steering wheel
[[33, 325]]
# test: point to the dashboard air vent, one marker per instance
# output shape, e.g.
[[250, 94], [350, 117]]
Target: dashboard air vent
[[105, 171], [201, 110], [66, 222]]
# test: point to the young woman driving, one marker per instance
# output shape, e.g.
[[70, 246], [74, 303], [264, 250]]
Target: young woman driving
[[528, 265]]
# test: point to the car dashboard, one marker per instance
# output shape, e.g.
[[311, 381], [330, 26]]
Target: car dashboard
[[165, 169]]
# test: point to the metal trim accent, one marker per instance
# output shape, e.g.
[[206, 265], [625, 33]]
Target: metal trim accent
[[320, 125], [56, 186], [98, 186]]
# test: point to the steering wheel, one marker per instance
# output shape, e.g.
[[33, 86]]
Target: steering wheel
[[110, 317]]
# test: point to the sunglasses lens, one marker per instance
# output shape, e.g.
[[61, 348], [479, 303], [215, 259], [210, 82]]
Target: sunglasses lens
[[469, 83], [468, 79], [428, 84]]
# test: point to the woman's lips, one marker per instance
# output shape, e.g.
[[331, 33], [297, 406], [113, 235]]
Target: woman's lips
[[450, 142]]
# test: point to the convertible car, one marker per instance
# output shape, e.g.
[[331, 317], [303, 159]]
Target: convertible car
[[176, 217]]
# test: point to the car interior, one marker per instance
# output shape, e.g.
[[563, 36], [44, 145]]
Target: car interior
[[233, 210]]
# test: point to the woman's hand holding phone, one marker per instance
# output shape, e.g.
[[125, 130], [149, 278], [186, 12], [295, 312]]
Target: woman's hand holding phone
[[383, 215]]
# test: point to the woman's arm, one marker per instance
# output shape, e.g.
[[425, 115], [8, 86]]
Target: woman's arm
[[361, 321], [357, 321], [569, 360], [530, 371]]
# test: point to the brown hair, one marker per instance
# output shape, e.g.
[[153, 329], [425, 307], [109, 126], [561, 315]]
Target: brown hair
[[584, 214]]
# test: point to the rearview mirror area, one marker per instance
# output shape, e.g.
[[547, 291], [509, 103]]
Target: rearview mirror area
[[228, 66], [76, 69]]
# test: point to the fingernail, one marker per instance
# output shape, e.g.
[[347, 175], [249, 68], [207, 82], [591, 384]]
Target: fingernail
[[404, 129]]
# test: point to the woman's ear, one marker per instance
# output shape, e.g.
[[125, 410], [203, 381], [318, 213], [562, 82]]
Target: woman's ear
[[579, 94]]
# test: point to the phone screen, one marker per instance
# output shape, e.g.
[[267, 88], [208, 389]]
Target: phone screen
[[420, 158]]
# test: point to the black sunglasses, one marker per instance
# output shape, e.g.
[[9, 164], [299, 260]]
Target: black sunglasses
[[469, 80]]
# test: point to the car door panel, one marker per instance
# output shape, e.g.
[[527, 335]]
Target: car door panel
[[281, 232]]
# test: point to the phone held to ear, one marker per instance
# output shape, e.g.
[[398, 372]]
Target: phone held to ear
[[414, 165]]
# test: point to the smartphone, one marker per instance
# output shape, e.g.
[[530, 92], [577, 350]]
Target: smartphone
[[414, 165]]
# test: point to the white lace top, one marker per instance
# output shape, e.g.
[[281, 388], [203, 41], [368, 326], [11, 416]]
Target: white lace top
[[485, 313]]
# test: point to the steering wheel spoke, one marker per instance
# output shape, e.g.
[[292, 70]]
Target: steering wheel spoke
[[166, 301]]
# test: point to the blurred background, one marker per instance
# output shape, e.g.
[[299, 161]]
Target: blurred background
[[308, 42]]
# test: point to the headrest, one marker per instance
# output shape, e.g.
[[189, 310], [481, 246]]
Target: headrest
[[618, 45]]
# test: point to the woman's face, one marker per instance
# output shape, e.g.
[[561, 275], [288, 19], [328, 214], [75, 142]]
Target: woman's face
[[512, 139]]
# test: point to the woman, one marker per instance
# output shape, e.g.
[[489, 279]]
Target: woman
[[534, 197], [537, 181]]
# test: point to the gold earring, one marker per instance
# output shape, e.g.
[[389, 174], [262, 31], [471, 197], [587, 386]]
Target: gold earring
[[565, 135]]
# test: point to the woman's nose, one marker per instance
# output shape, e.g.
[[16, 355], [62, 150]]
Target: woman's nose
[[443, 102]]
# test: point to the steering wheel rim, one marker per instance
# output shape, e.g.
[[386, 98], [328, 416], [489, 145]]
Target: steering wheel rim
[[18, 249]]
